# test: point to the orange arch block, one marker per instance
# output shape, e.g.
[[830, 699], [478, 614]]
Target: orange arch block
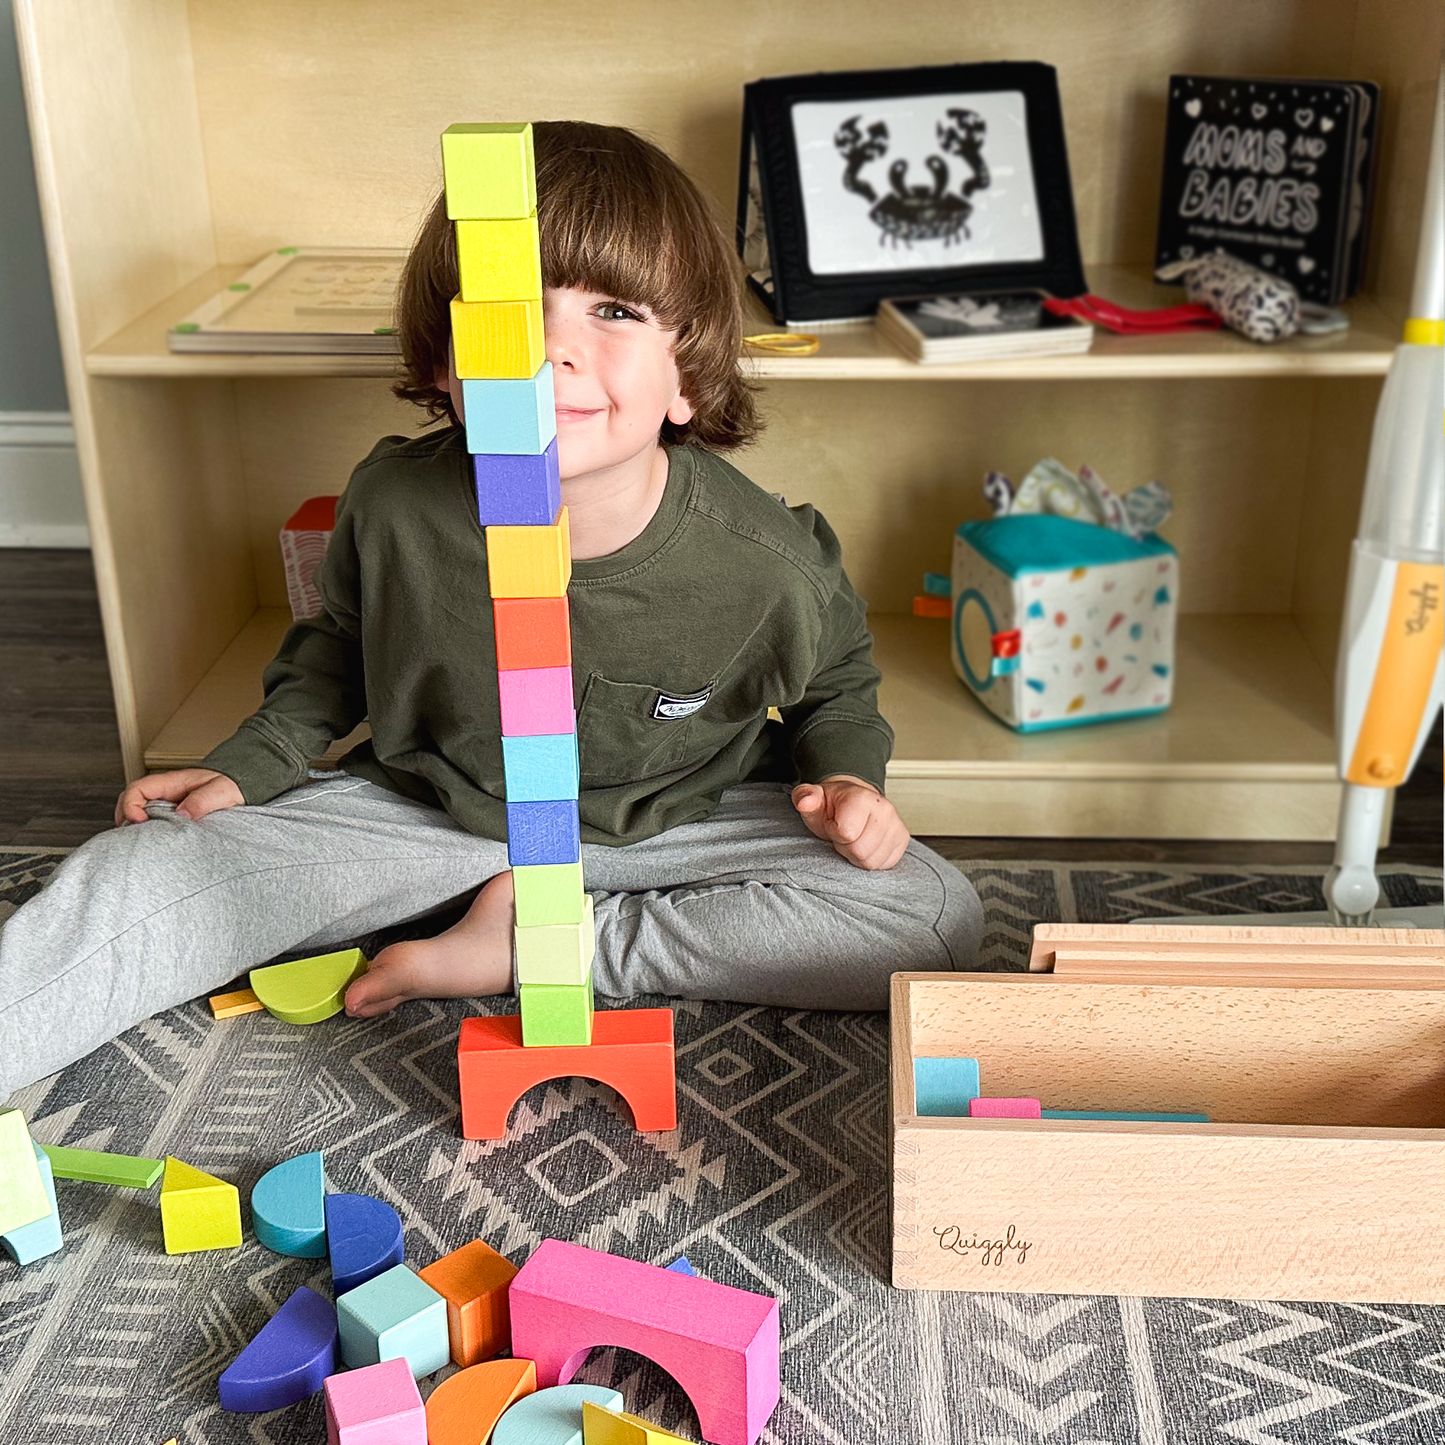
[[464, 1408], [631, 1051]]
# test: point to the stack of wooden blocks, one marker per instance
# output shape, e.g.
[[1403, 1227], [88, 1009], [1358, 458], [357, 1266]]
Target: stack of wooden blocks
[[511, 429]]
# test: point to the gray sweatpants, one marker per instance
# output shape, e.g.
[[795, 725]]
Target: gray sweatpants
[[746, 905]]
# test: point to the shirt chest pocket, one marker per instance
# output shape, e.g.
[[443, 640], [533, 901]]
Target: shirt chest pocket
[[627, 731]]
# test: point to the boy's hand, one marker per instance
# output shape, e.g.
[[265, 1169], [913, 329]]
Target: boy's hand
[[860, 823], [194, 791]]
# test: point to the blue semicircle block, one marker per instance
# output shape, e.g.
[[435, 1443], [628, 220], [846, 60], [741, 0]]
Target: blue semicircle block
[[364, 1236], [288, 1361], [553, 1415], [288, 1208]]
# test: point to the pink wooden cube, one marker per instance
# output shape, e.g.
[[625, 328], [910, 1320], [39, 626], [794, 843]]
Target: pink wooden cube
[[1004, 1109], [536, 700], [375, 1405]]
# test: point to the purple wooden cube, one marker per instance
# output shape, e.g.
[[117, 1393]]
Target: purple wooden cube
[[518, 491]]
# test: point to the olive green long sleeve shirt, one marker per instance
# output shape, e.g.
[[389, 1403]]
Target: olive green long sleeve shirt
[[728, 603]]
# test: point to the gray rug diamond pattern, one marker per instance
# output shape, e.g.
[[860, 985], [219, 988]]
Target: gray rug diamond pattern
[[775, 1180]]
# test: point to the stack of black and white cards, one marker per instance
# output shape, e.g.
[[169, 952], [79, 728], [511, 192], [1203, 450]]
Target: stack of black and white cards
[[979, 326], [1277, 172]]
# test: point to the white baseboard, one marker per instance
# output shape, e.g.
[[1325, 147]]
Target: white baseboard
[[41, 503]]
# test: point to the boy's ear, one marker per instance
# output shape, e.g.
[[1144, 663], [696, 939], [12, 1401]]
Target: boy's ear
[[680, 412]]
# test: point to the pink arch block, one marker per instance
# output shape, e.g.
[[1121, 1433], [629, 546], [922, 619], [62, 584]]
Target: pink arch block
[[720, 1344]]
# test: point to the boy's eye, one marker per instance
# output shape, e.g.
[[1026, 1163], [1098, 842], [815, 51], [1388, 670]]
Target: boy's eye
[[616, 311]]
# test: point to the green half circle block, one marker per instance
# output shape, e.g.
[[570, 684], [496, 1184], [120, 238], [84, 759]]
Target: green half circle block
[[288, 1208], [308, 990]]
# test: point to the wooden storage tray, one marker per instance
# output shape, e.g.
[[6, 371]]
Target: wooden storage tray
[[1320, 1176]]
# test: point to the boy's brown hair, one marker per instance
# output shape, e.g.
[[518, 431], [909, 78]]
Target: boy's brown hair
[[615, 215]]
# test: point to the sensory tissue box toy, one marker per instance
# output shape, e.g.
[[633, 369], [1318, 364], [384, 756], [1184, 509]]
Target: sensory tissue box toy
[[1064, 602]]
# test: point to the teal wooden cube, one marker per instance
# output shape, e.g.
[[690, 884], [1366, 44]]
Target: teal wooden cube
[[555, 1015], [559, 953], [394, 1316], [540, 768], [548, 893], [510, 417]]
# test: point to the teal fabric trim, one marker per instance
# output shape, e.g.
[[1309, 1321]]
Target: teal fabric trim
[[1074, 722], [1044, 543]]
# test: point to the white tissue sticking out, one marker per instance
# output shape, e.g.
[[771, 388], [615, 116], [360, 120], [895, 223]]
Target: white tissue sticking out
[[1052, 488]]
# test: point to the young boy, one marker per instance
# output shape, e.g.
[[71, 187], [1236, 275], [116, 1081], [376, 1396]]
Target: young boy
[[730, 857]]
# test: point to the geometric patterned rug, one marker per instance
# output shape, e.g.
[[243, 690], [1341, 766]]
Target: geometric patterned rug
[[774, 1180]]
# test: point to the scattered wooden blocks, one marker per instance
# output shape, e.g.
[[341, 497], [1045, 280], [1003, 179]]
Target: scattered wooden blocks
[[944, 1087], [394, 1315], [556, 1016], [518, 491], [720, 1344], [376, 1405], [498, 339], [23, 1199], [231, 1005], [518, 418], [26, 1243], [308, 990], [631, 1051], [288, 1208], [543, 833], [530, 561], [606, 1427], [464, 1409], [364, 1238], [549, 893], [532, 632], [557, 953], [541, 767], [552, 1416], [489, 171], [198, 1211], [1004, 1109], [126, 1170], [499, 260], [473, 1280], [287, 1362]]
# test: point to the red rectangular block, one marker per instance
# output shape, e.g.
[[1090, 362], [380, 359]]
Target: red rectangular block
[[532, 632]]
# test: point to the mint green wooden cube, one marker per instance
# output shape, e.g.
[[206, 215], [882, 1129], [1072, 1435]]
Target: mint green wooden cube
[[548, 893], [394, 1316], [559, 953], [23, 1199], [489, 171], [555, 1015]]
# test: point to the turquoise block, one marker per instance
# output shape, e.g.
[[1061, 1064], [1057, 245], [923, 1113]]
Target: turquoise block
[[943, 1087], [553, 1416], [288, 1208], [1106, 1114], [512, 418], [541, 768], [394, 1316], [936, 584], [29, 1242]]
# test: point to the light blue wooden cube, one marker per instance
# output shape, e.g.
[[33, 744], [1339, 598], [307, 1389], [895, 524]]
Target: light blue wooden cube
[[29, 1242], [510, 418], [942, 1088], [394, 1316], [541, 768]]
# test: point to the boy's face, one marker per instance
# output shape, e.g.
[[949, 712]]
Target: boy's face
[[615, 380]]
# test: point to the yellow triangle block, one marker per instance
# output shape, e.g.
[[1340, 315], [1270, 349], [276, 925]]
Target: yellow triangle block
[[309, 989], [617, 1427], [198, 1211]]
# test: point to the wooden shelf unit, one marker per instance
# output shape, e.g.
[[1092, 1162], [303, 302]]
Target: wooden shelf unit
[[228, 132]]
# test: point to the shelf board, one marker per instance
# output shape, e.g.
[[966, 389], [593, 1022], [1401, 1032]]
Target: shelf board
[[851, 352], [1246, 750]]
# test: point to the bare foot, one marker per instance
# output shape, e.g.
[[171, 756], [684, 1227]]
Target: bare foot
[[472, 958]]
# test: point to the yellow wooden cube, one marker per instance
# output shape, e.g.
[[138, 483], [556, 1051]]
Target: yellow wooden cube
[[198, 1211], [530, 561], [490, 172], [498, 340], [499, 260]]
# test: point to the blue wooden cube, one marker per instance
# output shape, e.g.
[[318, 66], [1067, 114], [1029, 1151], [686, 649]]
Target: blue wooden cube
[[541, 768], [942, 1088], [394, 1316], [545, 832], [513, 418], [518, 490]]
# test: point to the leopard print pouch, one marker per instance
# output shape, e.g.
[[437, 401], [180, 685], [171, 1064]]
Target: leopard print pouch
[[1250, 301]]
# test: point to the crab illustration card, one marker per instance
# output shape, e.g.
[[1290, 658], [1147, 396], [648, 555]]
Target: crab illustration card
[[865, 185]]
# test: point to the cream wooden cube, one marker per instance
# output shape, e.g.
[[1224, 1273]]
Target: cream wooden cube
[[558, 953]]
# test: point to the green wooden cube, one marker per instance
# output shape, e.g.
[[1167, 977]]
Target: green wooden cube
[[558, 953], [556, 1014], [548, 893], [23, 1199], [490, 172]]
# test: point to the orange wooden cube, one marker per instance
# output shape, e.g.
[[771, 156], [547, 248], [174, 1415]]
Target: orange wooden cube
[[473, 1280], [532, 632]]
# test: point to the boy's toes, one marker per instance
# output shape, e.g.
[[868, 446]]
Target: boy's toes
[[378, 990]]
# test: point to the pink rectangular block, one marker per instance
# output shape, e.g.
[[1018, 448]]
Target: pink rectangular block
[[1004, 1109], [375, 1405], [720, 1344], [536, 700]]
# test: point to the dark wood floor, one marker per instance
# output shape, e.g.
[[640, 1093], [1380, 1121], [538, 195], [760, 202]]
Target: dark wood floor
[[60, 767]]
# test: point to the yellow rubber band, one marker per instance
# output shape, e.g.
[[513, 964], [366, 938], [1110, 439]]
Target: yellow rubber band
[[788, 343], [1420, 332]]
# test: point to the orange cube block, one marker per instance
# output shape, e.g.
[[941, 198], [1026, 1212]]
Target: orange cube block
[[532, 632], [473, 1280]]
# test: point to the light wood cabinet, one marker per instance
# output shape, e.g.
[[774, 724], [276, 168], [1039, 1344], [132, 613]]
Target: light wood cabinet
[[176, 142]]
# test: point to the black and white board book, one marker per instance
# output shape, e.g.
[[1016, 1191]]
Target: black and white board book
[[980, 326], [1277, 172]]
